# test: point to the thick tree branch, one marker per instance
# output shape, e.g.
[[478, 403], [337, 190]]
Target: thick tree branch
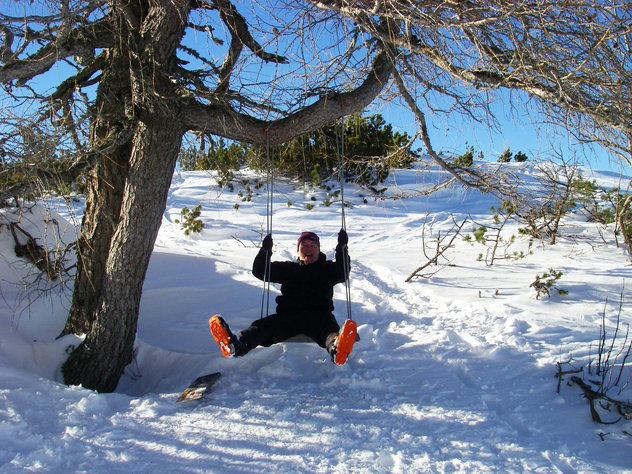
[[425, 137], [226, 71], [239, 29], [6, 54], [82, 43], [224, 121], [573, 56]]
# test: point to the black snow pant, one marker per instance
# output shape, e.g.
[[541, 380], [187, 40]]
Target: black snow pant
[[317, 325]]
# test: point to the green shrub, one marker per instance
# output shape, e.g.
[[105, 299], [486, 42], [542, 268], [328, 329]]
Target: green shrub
[[606, 206], [371, 149], [544, 283], [465, 160], [505, 157], [520, 157], [190, 220]]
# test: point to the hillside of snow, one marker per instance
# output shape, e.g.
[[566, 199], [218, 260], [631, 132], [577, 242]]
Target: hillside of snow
[[455, 370]]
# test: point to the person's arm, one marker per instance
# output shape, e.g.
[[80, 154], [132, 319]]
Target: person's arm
[[264, 255], [343, 262]]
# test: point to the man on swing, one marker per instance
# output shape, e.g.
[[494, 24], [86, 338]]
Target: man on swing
[[305, 305]]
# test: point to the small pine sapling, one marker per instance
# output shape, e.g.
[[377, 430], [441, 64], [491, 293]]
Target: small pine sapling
[[606, 206], [520, 157], [506, 156], [465, 160], [190, 220], [491, 237], [543, 284]]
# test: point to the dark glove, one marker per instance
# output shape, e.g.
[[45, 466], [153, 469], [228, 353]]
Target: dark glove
[[343, 238], [267, 243]]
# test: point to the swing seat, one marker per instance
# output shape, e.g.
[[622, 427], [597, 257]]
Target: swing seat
[[299, 338], [303, 338]]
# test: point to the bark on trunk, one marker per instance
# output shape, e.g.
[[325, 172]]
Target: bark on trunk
[[104, 194], [128, 190], [100, 360]]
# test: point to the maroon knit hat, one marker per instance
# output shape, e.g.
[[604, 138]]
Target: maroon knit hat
[[307, 236]]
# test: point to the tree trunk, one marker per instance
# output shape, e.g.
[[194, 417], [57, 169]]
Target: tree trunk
[[127, 192], [99, 361], [104, 194]]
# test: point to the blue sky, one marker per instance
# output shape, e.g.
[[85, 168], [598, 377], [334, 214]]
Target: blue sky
[[530, 135]]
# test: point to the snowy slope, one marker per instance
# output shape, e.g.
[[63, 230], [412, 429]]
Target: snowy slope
[[454, 372]]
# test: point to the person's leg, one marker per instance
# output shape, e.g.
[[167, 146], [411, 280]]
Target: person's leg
[[319, 326], [323, 328], [270, 330]]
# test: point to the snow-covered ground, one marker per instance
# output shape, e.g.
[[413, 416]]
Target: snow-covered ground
[[453, 372]]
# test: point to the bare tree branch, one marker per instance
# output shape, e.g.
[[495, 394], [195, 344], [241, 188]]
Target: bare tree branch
[[228, 123], [441, 248]]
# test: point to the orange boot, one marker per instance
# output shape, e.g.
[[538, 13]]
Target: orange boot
[[229, 344], [342, 344]]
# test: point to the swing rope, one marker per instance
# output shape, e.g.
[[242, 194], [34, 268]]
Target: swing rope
[[265, 297], [340, 151]]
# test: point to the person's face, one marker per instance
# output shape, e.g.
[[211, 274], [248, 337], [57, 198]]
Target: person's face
[[308, 251]]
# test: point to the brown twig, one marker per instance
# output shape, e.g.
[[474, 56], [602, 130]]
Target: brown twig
[[624, 409], [440, 250], [561, 373]]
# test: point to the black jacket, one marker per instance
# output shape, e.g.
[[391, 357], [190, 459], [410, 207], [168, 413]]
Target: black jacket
[[304, 287]]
